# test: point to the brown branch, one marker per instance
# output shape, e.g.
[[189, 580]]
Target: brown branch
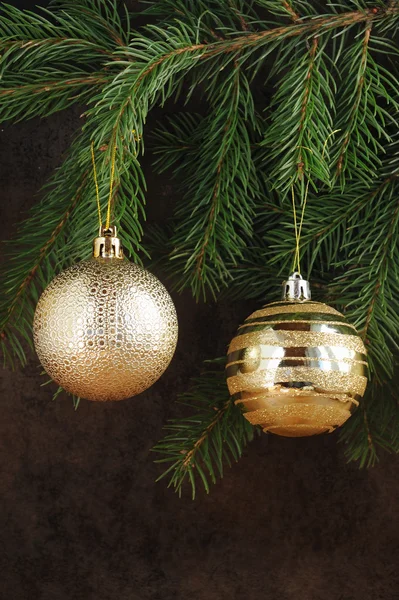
[[44, 249], [244, 24], [360, 86], [49, 86], [287, 5], [303, 27], [171, 54], [5, 45], [219, 414], [305, 101]]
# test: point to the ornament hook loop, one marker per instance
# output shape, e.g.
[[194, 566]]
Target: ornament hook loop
[[296, 288], [107, 244]]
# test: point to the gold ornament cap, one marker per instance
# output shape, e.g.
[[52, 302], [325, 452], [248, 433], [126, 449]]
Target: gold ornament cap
[[107, 244], [296, 289]]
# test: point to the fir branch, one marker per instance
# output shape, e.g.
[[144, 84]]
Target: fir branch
[[44, 251], [189, 459], [301, 118], [213, 19], [32, 262], [237, 8], [326, 234], [288, 7], [20, 23], [358, 95], [51, 86], [370, 294], [43, 98], [306, 102], [366, 92], [250, 41], [373, 427], [213, 222], [213, 434], [281, 8], [43, 50], [52, 60]]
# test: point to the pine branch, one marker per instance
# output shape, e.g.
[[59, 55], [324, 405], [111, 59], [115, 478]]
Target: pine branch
[[370, 294], [288, 7], [51, 61], [213, 221], [44, 97], [326, 234], [20, 24], [366, 93], [373, 427], [301, 118], [215, 433], [213, 19], [44, 250]]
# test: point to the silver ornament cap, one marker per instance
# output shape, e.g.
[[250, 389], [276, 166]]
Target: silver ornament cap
[[296, 289]]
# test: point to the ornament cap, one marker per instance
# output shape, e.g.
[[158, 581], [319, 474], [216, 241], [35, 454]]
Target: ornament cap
[[107, 244], [296, 288]]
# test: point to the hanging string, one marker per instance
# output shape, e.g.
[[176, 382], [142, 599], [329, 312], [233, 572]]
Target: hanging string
[[303, 213], [298, 230], [111, 185], [96, 184], [297, 266], [108, 219]]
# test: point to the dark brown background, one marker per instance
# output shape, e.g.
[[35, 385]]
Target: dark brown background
[[81, 517]]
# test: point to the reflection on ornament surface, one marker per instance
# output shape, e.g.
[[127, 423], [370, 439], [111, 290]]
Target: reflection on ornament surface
[[297, 368], [105, 329]]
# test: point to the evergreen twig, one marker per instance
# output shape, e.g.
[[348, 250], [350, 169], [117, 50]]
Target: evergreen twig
[[215, 432]]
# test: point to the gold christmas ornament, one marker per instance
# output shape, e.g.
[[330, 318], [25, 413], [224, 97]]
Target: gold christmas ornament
[[105, 329], [297, 367]]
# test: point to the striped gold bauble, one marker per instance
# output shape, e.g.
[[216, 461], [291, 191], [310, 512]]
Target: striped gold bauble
[[297, 367]]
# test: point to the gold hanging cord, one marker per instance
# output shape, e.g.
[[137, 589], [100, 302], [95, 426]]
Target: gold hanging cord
[[298, 230], [108, 218]]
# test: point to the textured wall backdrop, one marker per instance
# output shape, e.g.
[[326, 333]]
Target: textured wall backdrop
[[81, 517]]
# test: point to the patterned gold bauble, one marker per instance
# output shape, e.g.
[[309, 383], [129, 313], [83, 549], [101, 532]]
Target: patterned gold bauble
[[105, 329], [297, 367]]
